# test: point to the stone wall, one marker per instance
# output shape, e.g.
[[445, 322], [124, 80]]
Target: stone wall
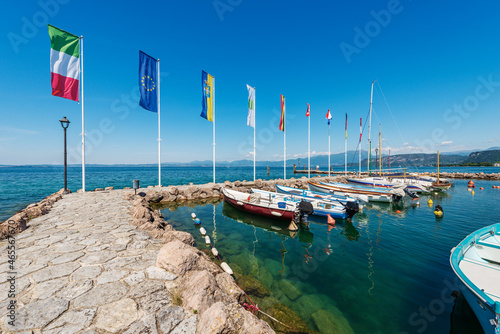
[[19, 221]]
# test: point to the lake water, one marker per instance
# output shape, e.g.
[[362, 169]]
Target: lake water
[[386, 272]]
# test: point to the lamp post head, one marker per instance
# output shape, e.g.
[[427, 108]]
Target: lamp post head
[[64, 122]]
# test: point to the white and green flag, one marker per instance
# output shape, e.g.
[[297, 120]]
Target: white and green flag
[[251, 106]]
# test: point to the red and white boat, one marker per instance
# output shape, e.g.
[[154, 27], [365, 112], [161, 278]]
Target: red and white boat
[[260, 205]]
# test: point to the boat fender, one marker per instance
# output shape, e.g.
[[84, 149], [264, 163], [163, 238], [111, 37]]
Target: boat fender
[[239, 203], [226, 268], [277, 214], [197, 221], [330, 220], [207, 240], [203, 231], [193, 215], [214, 251]]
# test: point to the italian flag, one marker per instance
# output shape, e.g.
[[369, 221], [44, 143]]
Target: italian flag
[[64, 63]]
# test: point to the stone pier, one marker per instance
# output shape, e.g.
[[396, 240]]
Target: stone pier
[[86, 267]]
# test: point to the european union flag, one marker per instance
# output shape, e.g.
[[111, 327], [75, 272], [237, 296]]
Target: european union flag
[[148, 83]]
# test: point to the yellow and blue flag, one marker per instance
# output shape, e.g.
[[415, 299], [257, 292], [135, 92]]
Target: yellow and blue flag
[[148, 83], [207, 102]]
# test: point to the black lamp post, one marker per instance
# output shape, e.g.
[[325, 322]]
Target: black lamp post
[[65, 124]]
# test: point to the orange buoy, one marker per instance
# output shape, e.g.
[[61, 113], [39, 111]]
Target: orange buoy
[[471, 184], [481, 188], [397, 211]]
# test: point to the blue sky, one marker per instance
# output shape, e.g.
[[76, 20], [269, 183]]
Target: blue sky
[[437, 66]]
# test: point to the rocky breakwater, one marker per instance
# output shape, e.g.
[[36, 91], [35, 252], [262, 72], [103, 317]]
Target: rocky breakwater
[[467, 176], [214, 190], [19, 221]]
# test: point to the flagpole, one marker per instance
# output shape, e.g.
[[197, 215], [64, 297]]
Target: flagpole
[[369, 133], [284, 143], [83, 118], [328, 148], [309, 145], [345, 145], [213, 116], [159, 136], [360, 134], [254, 112]]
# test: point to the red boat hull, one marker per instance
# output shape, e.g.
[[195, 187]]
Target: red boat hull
[[260, 210]]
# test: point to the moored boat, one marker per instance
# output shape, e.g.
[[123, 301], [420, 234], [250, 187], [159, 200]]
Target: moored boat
[[417, 186], [373, 195], [476, 262], [321, 195], [321, 207], [259, 205]]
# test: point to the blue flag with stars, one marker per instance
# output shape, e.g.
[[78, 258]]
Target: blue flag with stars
[[148, 83]]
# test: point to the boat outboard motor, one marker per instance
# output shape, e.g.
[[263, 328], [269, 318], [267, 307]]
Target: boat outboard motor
[[351, 208], [410, 193], [305, 209], [397, 194]]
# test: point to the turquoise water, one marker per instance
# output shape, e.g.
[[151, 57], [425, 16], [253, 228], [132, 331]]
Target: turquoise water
[[387, 272]]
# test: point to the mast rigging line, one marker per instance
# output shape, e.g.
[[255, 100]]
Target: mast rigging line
[[362, 132], [393, 119]]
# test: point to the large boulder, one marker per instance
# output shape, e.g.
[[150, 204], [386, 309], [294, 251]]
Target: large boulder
[[177, 257], [228, 285], [216, 320], [178, 235], [199, 291]]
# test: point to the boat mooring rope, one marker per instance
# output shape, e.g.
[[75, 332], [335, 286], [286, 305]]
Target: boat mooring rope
[[252, 307]]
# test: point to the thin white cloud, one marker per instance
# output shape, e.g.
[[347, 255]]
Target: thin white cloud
[[19, 130], [447, 142]]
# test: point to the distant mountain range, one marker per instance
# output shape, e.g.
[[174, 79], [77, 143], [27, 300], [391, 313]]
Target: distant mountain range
[[490, 155]]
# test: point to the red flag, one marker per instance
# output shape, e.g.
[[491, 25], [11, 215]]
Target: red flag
[[360, 133], [308, 112]]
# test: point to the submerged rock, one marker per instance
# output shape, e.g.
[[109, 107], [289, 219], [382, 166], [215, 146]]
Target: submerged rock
[[330, 323], [289, 289], [288, 317], [253, 286]]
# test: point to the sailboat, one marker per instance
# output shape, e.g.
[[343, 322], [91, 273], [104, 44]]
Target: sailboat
[[440, 184]]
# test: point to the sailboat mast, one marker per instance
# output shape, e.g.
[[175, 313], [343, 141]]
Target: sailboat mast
[[379, 151], [438, 169], [369, 132]]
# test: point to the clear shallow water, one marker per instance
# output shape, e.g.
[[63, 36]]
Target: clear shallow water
[[387, 272]]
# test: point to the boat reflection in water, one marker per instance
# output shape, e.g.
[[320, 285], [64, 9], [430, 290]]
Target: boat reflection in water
[[279, 227], [276, 226]]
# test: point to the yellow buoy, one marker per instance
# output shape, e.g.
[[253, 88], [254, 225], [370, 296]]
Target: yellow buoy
[[430, 202], [472, 192], [438, 213]]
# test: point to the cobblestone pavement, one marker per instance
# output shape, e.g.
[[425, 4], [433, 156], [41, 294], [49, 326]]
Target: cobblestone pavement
[[84, 268]]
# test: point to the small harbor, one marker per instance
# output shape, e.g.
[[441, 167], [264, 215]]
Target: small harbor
[[320, 278]]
